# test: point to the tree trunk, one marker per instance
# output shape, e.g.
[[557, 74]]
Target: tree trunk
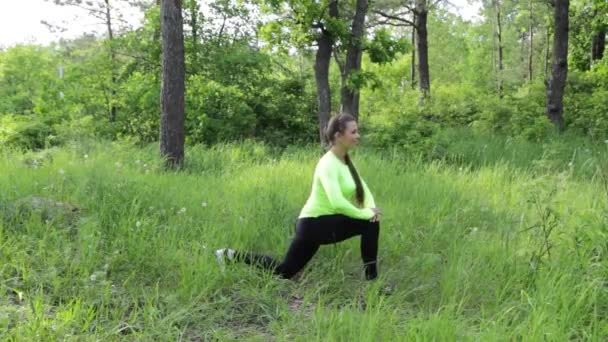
[[413, 66], [423, 50], [598, 45], [349, 95], [500, 58], [156, 34], [194, 26], [173, 84], [547, 56], [531, 52], [322, 59], [559, 70], [112, 106], [531, 55], [522, 53]]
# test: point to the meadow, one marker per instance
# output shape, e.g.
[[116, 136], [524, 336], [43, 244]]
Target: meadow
[[483, 238]]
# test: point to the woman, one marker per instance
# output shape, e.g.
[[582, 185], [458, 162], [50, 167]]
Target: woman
[[329, 215]]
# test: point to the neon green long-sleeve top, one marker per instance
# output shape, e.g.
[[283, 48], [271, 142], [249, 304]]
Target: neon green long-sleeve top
[[333, 191]]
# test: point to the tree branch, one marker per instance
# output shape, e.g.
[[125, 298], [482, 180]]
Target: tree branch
[[394, 17], [437, 3]]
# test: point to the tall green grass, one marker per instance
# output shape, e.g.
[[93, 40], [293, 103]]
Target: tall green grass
[[463, 245]]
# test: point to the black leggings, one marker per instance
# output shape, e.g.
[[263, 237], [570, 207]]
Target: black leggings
[[314, 232]]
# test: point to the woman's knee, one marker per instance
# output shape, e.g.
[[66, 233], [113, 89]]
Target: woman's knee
[[373, 226]]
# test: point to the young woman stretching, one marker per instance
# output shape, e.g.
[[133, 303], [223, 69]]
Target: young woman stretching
[[339, 207]]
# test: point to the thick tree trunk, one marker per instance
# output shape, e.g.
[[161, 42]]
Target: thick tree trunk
[[322, 77], [173, 84], [413, 66], [322, 59], [559, 70], [423, 50], [598, 45], [349, 96]]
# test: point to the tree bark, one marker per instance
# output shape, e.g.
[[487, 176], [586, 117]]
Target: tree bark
[[500, 54], [413, 67], [172, 119], [194, 26], [350, 96], [322, 59], [112, 106], [598, 45], [547, 56], [423, 50], [531, 52], [559, 70]]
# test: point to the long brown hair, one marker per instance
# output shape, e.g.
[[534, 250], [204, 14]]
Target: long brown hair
[[337, 124]]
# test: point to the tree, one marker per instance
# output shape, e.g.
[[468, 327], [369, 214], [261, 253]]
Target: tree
[[349, 93], [498, 34], [418, 10], [598, 44], [559, 70], [325, 42], [304, 24], [588, 24], [172, 135], [107, 14]]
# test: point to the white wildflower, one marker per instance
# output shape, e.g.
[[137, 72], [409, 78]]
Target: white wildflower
[[86, 156], [204, 204], [182, 211], [138, 224], [61, 171]]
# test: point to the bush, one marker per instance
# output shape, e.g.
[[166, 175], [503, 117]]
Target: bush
[[25, 132], [139, 100], [216, 112], [586, 104]]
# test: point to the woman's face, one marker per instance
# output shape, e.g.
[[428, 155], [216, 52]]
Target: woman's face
[[350, 137]]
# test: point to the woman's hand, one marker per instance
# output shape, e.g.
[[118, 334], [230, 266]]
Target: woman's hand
[[377, 213]]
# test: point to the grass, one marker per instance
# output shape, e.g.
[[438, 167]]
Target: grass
[[503, 242]]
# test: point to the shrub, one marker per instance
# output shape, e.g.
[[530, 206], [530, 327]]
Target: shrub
[[25, 132]]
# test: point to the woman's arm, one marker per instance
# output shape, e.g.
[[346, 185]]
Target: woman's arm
[[329, 179]]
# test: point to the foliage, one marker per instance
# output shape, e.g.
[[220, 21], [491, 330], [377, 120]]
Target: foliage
[[246, 81], [25, 132], [217, 113]]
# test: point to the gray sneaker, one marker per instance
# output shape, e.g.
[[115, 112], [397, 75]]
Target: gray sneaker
[[223, 255]]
